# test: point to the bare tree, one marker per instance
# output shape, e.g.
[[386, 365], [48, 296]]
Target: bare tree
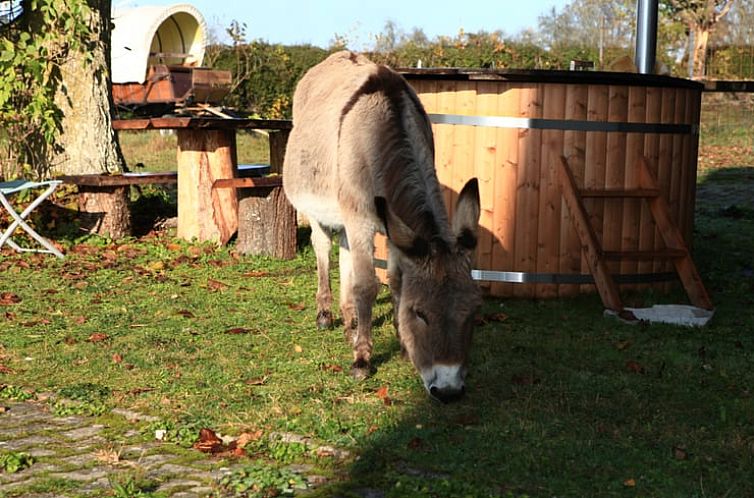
[[701, 18]]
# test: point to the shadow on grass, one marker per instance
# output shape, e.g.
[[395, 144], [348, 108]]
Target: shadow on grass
[[563, 402]]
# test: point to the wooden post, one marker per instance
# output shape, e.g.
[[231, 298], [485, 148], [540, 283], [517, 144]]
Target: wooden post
[[278, 143], [204, 213]]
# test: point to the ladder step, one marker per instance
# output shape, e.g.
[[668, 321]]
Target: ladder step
[[645, 255], [639, 193]]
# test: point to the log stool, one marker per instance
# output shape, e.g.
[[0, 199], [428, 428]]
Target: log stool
[[266, 220]]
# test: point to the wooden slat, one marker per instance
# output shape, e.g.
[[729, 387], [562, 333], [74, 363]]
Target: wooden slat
[[574, 149], [548, 233], [637, 101], [595, 163], [264, 181], [528, 187], [647, 230], [506, 173], [98, 180], [612, 222]]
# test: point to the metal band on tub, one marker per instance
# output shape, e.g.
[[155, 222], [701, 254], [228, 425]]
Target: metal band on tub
[[563, 124], [520, 277]]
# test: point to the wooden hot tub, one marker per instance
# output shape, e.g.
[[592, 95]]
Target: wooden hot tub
[[509, 130]]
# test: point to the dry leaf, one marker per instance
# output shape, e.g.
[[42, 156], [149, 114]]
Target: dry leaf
[[117, 358], [185, 313], [216, 285], [415, 443], [382, 393], [629, 483], [237, 330], [297, 306], [8, 298], [208, 442], [257, 381], [248, 437], [5, 370], [298, 348], [255, 274], [634, 367], [680, 453], [332, 368], [98, 337]]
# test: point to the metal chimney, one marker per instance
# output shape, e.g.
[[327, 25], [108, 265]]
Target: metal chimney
[[646, 35]]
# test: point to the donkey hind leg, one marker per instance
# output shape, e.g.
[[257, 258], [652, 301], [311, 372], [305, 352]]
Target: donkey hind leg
[[322, 243], [347, 306], [364, 288], [395, 277]]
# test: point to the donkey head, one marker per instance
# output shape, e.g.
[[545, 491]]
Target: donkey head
[[434, 295]]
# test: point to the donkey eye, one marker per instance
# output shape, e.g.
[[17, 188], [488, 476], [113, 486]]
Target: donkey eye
[[421, 316]]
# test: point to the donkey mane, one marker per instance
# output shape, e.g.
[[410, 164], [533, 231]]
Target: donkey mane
[[405, 182]]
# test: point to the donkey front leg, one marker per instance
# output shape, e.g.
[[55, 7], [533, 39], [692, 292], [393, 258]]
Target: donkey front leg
[[363, 290], [322, 243]]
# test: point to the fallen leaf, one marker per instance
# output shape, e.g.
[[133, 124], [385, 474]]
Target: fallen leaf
[[298, 348], [296, 306], [185, 313], [255, 274], [415, 443], [8, 298], [5, 370], [10, 316], [98, 337], [237, 330], [216, 285], [629, 483], [79, 320], [680, 453], [525, 379], [257, 381], [173, 247], [623, 345], [117, 358], [208, 442], [634, 367], [332, 368], [248, 437], [382, 393]]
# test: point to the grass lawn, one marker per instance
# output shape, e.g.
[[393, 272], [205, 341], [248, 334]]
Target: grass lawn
[[561, 401]]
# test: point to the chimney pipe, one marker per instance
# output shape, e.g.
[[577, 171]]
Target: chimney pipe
[[646, 35]]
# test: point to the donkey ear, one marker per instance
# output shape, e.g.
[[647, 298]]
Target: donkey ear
[[400, 234], [466, 220]]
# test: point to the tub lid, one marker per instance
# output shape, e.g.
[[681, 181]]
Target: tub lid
[[549, 76], [151, 34]]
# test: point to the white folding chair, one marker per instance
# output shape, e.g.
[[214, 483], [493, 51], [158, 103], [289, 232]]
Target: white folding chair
[[15, 186]]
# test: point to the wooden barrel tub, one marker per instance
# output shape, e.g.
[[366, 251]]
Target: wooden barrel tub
[[509, 130]]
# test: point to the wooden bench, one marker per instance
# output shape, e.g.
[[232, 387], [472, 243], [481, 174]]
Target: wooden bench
[[266, 220], [103, 199]]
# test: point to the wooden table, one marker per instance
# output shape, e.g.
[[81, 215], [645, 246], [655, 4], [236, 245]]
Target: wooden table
[[207, 153]]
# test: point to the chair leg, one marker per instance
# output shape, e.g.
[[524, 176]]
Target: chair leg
[[18, 221]]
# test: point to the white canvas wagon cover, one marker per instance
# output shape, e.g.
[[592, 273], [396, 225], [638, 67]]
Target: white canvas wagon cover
[[175, 34]]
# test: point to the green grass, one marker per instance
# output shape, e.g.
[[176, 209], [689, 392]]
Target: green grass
[[561, 401], [157, 151]]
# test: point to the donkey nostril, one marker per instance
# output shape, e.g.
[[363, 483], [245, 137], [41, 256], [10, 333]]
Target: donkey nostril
[[447, 395]]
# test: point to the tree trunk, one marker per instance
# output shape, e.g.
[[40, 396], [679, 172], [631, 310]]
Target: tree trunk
[[701, 38], [266, 223], [87, 142]]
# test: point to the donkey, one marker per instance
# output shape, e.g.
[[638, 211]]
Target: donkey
[[360, 160]]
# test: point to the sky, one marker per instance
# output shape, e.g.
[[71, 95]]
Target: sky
[[317, 22]]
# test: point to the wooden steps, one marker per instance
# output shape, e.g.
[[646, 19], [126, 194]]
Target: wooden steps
[[596, 257]]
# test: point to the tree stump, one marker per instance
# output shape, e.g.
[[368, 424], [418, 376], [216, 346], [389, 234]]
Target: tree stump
[[266, 223], [205, 213], [104, 211]]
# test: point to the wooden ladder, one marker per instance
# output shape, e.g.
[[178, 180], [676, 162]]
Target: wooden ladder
[[596, 257]]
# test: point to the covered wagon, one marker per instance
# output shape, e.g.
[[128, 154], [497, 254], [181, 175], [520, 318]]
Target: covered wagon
[[157, 55]]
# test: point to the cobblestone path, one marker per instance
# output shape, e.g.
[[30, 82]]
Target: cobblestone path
[[71, 454]]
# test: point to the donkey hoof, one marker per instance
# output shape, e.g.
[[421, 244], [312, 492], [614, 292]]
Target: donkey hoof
[[324, 320], [360, 370]]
